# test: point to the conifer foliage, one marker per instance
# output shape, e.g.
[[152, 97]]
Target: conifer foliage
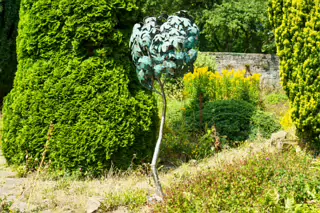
[[9, 16], [74, 73], [297, 31]]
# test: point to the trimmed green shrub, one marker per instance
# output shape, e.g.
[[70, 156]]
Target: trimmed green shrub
[[74, 72], [264, 123], [231, 117], [9, 16], [276, 98], [297, 27]]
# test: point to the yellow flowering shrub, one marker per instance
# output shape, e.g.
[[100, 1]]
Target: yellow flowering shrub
[[286, 121], [229, 84], [198, 81], [297, 33]]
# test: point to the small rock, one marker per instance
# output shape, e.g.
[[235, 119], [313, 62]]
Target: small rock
[[22, 207], [193, 162], [311, 202], [278, 138], [93, 205], [281, 135], [154, 199]]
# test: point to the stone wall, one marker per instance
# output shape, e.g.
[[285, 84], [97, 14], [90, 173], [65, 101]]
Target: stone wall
[[266, 64]]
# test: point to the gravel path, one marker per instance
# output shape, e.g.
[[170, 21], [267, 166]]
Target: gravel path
[[11, 186]]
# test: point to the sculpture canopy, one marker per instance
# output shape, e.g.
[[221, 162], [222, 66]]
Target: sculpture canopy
[[163, 45]]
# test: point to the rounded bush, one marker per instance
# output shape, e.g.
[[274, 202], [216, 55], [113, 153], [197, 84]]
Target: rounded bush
[[231, 118], [297, 33], [264, 123], [74, 73]]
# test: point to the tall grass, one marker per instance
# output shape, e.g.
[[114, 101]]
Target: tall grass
[[266, 182]]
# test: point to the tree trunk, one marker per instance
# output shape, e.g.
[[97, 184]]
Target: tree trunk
[[157, 148]]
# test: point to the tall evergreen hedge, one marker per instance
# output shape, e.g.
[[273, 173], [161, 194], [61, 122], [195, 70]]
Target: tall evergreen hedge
[[297, 32], [9, 17], [74, 72]]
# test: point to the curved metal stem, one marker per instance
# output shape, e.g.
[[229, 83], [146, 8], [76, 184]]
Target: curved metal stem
[[158, 144]]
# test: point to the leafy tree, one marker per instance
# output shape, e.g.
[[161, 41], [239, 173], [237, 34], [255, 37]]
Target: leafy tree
[[195, 7], [9, 17], [297, 32], [161, 48], [151, 7], [239, 26], [226, 25], [74, 73]]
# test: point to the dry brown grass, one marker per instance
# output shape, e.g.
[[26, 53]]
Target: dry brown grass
[[68, 195]]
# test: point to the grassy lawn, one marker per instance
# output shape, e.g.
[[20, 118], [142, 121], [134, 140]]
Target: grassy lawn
[[129, 190]]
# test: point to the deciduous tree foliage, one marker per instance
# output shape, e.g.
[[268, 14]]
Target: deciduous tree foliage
[[239, 26], [195, 7], [9, 17], [297, 32], [154, 7], [74, 72], [226, 25]]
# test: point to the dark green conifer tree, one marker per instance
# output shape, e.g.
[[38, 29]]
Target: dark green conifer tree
[[75, 73], [297, 32]]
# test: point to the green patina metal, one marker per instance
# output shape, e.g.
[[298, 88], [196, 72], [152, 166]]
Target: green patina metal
[[164, 45]]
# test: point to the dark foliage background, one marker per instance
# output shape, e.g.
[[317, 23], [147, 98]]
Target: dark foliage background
[[9, 17]]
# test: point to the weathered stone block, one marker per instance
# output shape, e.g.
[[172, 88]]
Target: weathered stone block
[[265, 64]]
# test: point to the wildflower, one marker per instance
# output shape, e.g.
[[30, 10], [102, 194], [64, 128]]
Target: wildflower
[[225, 72], [201, 71], [256, 77], [239, 74], [187, 77]]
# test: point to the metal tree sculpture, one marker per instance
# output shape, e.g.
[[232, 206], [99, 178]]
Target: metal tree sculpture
[[163, 47]]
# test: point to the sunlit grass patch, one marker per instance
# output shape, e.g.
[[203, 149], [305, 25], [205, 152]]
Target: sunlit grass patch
[[266, 182]]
